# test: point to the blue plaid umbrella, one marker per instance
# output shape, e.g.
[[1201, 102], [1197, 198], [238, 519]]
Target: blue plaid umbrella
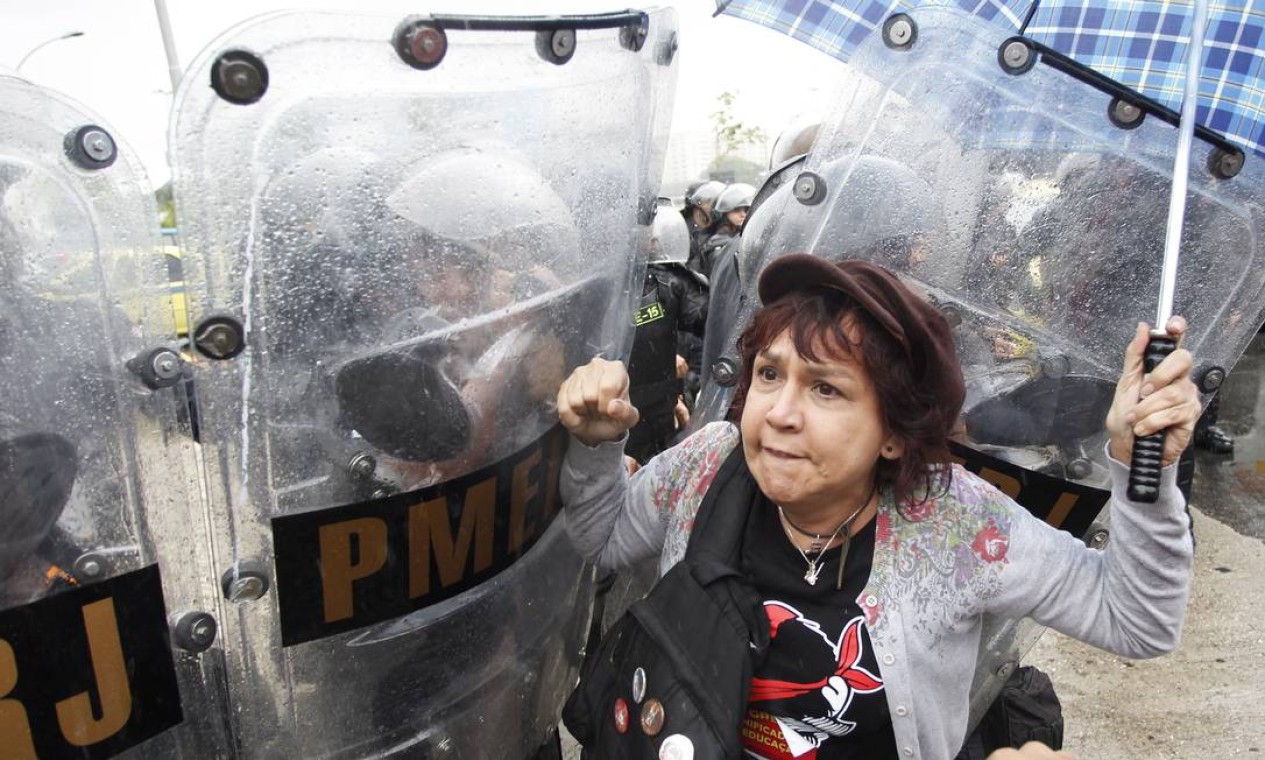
[[1139, 43]]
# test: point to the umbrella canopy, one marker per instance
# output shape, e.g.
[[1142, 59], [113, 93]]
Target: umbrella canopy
[[1140, 44]]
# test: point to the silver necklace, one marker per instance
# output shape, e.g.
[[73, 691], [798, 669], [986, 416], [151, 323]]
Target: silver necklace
[[815, 564]]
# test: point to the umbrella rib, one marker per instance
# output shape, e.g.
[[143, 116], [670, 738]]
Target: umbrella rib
[[1027, 19]]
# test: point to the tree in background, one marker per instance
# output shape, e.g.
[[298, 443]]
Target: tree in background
[[166, 207], [731, 137]]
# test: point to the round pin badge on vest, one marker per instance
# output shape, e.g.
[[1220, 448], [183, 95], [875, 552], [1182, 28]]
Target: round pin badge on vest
[[639, 685], [652, 717], [621, 716], [676, 747]]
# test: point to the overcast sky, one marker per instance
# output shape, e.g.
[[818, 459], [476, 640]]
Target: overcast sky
[[119, 70]]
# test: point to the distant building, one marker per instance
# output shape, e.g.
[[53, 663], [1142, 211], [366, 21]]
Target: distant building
[[690, 153]]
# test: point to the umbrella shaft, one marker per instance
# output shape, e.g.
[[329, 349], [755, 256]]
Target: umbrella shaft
[[1181, 162]]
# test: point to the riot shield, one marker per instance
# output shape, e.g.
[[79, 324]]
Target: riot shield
[[98, 485], [1022, 201], [400, 235]]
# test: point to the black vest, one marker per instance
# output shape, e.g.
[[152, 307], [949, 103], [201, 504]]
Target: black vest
[[653, 384]]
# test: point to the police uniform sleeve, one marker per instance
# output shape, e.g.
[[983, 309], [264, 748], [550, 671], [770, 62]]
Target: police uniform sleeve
[[693, 313]]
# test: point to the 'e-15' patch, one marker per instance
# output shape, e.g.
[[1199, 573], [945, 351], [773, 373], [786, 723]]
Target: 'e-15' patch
[[648, 314]]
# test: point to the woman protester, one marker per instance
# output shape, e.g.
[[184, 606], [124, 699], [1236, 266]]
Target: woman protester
[[830, 505]]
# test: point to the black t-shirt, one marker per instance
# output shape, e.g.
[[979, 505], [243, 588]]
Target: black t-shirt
[[818, 695]]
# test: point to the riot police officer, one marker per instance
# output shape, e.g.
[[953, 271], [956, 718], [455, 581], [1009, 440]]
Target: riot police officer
[[700, 220], [730, 275], [729, 214], [672, 301]]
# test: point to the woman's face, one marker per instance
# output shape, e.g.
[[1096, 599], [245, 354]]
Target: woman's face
[[813, 432]]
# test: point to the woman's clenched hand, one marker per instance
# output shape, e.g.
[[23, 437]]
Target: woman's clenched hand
[[593, 402]]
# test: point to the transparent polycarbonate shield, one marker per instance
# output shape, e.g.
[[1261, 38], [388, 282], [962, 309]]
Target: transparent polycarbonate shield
[[98, 484], [416, 227], [1013, 201]]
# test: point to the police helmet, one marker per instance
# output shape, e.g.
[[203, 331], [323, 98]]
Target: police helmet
[[758, 228], [490, 265], [704, 196], [490, 200], [669, 237], [692, 188], [736, 196], [795, 140], [885, 209]]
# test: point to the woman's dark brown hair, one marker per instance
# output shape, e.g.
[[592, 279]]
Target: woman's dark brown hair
[[920, 391]]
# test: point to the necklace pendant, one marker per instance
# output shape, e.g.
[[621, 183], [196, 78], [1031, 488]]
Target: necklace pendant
[[811, 575]]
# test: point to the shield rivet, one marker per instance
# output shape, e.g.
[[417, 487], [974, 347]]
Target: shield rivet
[[89, 567], [1225, 164], [555, 45], [1016, 56], [362, 466], [428, 45], [419, 43], [563, 43], [98, 145], [166, 365], [899, 32], [1211, 379], [193, 631], [90, 147], [219, 337], [667, 50], [725, 372], [239, 77], [244, 582], [157, 368], [1124, 114], [809, 189], [633, 36]]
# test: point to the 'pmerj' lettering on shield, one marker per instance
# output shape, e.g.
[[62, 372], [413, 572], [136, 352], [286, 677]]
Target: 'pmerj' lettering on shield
[[349, 566]]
